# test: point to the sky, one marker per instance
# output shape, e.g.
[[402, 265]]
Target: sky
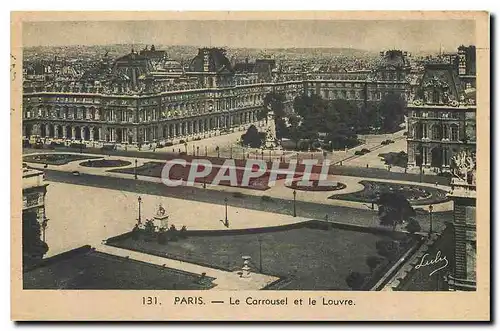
[[410, 35]]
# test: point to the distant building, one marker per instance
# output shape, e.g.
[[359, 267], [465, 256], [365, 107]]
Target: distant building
[[142, 97]]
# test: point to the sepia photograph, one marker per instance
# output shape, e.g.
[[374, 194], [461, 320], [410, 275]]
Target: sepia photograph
[[204, 153]]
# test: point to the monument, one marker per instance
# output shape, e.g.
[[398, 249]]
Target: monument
[[245, 270], [271, 139], [161, 216]]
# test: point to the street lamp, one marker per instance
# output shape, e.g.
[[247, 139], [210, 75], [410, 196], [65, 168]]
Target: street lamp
[[186, 147], [430, 219], [294, 208], [139, 200], [226, 221], [135, 169]]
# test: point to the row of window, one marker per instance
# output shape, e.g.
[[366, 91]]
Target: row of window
[[436, 114]]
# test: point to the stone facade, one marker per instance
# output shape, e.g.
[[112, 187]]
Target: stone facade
[[441, 118], [129, 106], [34, 190]]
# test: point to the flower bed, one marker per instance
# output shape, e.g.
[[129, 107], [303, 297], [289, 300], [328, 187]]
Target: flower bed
[[56, 159], [416, 195], [315, 187], [103, 163]]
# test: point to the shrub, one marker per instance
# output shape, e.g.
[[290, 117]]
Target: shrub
[[173, 233], [197, 138], [182, 141], [183, 232], [358, 153], [169, 143], [365, 150], [266, 198], [373, 261], [355, 280], [413, 226], [149, 226], [238, 195]]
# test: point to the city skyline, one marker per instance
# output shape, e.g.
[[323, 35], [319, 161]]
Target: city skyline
[[413, 36]]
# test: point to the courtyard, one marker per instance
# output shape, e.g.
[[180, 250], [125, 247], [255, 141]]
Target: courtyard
[[307, 256]]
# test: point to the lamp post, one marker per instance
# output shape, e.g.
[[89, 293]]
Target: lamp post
[[139, 200], [135, 169], [226, 221], [294, 208], [186, 148], [430, 219]]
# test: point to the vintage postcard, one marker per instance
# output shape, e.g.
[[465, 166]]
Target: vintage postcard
[[307, 166]]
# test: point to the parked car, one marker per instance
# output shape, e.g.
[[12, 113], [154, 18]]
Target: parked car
[[76, 173]]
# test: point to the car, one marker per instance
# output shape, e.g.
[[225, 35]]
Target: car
[[76, 173]]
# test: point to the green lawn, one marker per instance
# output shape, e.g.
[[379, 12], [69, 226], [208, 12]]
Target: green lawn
[[311, 259], [95, 270]]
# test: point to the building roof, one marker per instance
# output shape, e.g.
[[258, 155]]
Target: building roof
[[212, 60]]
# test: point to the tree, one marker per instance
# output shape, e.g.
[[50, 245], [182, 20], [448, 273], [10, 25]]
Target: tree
[[355, 280], [252, 137], [373, 261], [33, 247], [393, 209], [281, 128], [275, 102], [391, 110], [294, 130], [413, 226]]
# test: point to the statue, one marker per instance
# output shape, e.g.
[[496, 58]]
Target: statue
[[161, 215], [463, 166], [271, 140]]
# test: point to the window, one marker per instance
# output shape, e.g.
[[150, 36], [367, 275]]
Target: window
[[454, 132]]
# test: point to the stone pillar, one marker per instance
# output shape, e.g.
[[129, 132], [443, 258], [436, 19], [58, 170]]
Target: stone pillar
[[73, 132], [92, 134], [65, 132]]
